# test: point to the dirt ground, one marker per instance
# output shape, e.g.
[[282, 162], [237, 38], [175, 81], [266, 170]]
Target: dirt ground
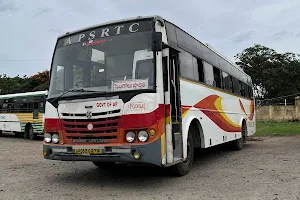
[[268, 169]]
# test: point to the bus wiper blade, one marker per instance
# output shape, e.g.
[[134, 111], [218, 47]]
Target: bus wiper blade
[[72, 90]]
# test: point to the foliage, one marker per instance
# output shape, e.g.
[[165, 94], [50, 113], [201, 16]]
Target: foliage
[[265, 128], [37, 82], [273, 74]]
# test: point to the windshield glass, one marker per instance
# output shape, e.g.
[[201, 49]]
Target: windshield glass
[[104, 60]]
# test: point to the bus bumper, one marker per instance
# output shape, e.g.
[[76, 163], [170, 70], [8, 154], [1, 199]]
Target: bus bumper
[[150, 153]]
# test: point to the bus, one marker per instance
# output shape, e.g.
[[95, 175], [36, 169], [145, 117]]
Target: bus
[[143, 91], [23, 114]]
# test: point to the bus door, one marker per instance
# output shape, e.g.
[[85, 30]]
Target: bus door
[[174, 137]]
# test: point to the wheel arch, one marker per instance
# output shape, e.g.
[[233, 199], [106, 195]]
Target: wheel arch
[[199, 139]]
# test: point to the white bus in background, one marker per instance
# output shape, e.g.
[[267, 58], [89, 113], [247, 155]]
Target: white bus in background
[[142, 90], [23, 113]]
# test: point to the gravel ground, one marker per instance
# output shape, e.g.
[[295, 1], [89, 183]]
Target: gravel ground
[[268, 169]]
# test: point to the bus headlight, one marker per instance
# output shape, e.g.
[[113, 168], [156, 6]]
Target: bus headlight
[[55, 138], [130, 136], [47, 137], [143, 136]]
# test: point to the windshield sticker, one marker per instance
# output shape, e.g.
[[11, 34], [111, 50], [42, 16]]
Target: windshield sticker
[[136, 84], [93, 42]]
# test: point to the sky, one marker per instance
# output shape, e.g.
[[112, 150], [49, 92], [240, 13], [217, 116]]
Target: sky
[[29, 28]]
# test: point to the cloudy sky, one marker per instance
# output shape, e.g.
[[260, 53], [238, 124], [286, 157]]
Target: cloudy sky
[[29, 28]]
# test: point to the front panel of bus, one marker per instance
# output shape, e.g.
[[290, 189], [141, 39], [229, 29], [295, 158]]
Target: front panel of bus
[[104, 102]]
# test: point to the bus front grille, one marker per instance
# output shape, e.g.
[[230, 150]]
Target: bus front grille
[[91, 126]]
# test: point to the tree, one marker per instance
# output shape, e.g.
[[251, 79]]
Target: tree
[[273, 74], [17, 84]]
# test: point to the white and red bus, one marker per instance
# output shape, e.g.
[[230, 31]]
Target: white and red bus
[[142, 90]]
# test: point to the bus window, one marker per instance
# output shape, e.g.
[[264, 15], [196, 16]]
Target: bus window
[[208, 73], [186, 65], [200, 70], [217, 77], [242, 89], [250, 92], [227, 81], [236, 88], [246, 88]]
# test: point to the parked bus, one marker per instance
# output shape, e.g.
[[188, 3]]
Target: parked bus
[[23, 113], [142, 90]]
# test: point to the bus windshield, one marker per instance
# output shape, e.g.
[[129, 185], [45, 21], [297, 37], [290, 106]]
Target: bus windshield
[[114, 63]]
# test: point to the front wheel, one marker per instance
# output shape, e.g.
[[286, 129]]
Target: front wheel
[[184, 167]]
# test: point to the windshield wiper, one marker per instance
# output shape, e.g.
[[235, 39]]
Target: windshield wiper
[[72, 90]]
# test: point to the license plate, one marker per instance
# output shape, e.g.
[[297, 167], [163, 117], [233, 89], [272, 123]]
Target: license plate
[[88, 151]]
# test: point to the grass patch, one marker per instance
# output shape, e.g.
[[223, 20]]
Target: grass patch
[[264, 128]]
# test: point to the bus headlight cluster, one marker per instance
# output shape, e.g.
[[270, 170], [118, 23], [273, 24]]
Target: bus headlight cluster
[[142, 136], [51, 138], [48, 137], [55, 138], [130, 136]]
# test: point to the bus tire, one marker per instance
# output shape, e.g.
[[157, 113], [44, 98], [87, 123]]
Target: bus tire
[[31, 134], [0, 133], [104, 165], [183, 168], [238, 144]]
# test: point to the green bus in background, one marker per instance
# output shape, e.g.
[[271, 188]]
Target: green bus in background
[[23, 114]]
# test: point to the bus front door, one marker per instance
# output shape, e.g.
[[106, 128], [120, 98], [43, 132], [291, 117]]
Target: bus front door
[[174, 139]]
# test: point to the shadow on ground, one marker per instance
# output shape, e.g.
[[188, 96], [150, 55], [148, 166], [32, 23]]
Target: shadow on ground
[[135, 176]]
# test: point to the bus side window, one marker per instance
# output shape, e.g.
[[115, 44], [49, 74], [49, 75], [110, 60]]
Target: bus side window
[[246, 88], [198, 70], [208, 73], [236, 88], [217, 77], [242, 89], [250, 92], [35, 105]]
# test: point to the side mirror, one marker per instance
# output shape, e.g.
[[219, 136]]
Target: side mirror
[[157, 41]]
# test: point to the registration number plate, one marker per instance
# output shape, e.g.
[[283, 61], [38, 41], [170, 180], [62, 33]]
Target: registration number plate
[[88, 151]]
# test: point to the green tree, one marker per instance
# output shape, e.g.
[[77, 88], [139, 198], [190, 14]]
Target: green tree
[[273, 74], [10, 85]]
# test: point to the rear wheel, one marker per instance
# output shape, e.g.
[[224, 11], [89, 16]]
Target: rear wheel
[[239, 143], [31, 134], [184, 167], [104, 165]]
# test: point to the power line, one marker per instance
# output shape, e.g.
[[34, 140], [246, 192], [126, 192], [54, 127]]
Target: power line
[[29, 60]]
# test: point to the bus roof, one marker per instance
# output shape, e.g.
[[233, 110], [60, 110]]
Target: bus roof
[[26, 94]]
